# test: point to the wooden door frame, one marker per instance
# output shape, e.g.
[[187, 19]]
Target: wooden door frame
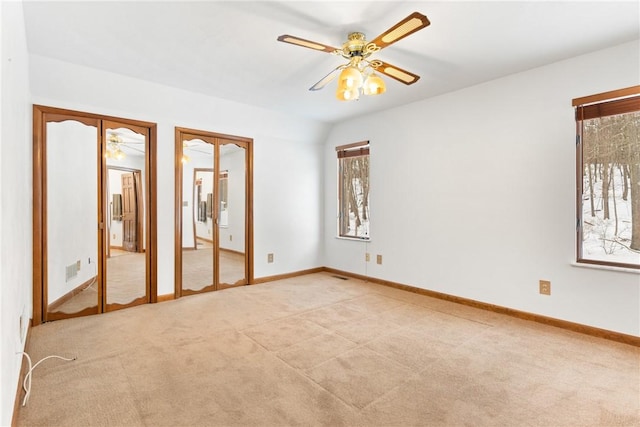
[[139, 196], [181, 134], [41, 116]]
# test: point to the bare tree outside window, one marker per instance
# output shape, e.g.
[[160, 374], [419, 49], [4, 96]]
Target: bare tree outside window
[[609, 201], [353, 190]]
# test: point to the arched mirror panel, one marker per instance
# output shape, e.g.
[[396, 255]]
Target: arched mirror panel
[[72, 206], [125, 228], [232, 213]]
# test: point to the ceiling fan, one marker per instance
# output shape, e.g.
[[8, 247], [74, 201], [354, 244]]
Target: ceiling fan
[[359, 74]]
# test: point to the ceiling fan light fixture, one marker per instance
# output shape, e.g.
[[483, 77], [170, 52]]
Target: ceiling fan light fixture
[[350, 78], [346, 94], [374, 85], [115, 153], [113, 148]]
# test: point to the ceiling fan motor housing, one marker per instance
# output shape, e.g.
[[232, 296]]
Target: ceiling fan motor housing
[[355, 44]]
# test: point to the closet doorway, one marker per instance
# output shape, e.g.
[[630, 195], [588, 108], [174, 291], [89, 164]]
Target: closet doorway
[[214, 239], [93, 213]]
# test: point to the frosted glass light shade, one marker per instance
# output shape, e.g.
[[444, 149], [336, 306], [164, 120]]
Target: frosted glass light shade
[[374, 85], [350, 78], [344, 94]]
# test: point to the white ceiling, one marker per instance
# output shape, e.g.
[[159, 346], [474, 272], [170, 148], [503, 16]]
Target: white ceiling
[[229, 49]]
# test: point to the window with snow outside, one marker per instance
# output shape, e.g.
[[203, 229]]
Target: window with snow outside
[[608, 181], [353, 190]]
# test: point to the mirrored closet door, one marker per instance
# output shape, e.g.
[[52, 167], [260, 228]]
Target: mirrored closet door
[[125, 226], [93, 242], [213, 199]]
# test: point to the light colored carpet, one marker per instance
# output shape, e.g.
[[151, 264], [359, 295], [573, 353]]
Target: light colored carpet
[[320, 351]]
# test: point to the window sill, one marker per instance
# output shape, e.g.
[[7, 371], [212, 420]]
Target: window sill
[[605, 267]]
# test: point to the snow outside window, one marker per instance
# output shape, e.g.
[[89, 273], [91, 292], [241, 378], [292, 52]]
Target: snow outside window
[[609, 182], [353, 190]]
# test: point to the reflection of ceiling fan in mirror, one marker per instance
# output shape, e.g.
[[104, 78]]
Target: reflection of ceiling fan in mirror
[[201, 151], [114, 147], [196, 148], [359, 74], [119, 144]]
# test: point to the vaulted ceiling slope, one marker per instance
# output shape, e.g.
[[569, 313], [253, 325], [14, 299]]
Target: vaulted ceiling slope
[[229, 49]]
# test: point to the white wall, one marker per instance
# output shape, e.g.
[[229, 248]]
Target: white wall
[[287, 156], [473, 194], [15, 204], [289, 172]]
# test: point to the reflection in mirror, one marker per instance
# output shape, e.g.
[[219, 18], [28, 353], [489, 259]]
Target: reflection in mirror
[[198, 215], [125, 216], [223, 199], [72, 217], [232, 264]]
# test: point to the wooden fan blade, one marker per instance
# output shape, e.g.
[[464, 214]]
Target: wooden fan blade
[[305, 43], [409, 25], [403, 76], [327, 79]]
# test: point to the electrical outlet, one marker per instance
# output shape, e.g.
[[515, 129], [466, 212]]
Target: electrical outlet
[[78, 265], [230, 238], [269, 258], [114, 236], [545, 287], [367, 257], [378, 259]]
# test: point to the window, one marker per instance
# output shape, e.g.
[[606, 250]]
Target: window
[[353, 190], [608, 178]]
